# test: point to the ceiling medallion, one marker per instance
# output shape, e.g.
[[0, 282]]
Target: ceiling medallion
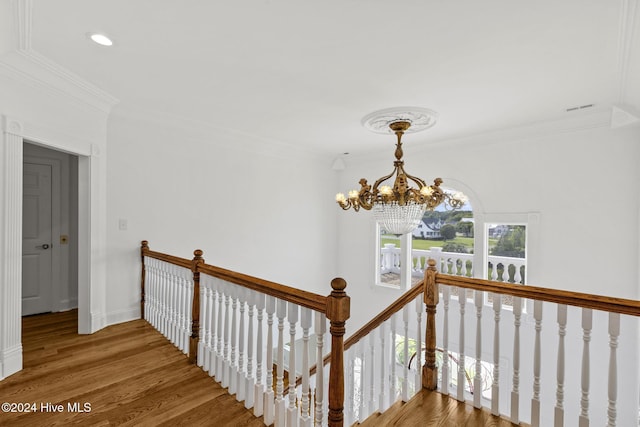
[[419, 119], [399, 208]]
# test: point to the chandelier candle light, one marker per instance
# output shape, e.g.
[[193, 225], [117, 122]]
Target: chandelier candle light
[[399, 208]]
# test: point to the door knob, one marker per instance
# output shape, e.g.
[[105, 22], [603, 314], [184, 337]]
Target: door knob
[[45, 246]]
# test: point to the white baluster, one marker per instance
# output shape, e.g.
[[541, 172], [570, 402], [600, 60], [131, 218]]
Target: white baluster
[[587, 323], [562, 331], [537, 355], [185, 292], [164, 310], [384, 397], [517, 277], [164, 327], [419, 332], [363, 412], [305, 322], [258, 408], [204, 324], [269, 400], [233, 360], [320, 330], [281, 312], [240, 381], [349, 387], [220, 354], [177, 287], [293, 314], [515, 392], [210, 348], [462, 378], [405, 350], [188, 310], [393, 377], [494, 271], [446, 292], [226, 363], [477, 380], [373, 404], [249, 383], [614, 332], [181, 292], [169, 304], [495, 386], [149, 290]]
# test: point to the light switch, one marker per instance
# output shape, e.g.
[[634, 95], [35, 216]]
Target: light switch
[[122, 224]]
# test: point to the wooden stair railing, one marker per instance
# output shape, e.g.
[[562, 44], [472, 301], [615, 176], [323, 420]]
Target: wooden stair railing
[[182, 308], [569, 305], [436, 289]]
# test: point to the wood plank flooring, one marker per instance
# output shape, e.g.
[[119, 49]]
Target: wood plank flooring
[[430, 409], [128, 374]]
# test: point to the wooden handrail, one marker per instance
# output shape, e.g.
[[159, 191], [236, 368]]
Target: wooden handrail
[[287, 293], [335, 306], [396, 306], [181, 262], [578, 299]]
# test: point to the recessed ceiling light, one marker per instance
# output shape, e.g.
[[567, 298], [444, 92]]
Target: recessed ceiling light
[[101, 39]]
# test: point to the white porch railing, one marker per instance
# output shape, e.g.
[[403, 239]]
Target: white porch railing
[[500, 268]]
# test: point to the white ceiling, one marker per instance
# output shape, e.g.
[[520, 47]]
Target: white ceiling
[[305, 72]]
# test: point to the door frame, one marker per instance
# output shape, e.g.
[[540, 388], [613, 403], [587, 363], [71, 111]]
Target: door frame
[[91, 231]]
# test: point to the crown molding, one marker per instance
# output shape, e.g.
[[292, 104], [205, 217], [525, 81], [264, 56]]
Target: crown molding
[[222, 136], [26, 65], [33, 69]]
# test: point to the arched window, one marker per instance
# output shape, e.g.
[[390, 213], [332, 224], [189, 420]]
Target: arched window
[[465, 242], [401, 260]]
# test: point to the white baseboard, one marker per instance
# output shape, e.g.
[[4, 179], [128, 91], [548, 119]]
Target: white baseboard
[[121, 316], [10, 361], [66, 305]]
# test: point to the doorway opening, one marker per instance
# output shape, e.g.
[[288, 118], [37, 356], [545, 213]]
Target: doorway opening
[[50, 230]]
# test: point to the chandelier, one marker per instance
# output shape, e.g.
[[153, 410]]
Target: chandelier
[[399, 207]]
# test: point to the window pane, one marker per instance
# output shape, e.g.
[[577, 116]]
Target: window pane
[[389, 267], [507, 249]]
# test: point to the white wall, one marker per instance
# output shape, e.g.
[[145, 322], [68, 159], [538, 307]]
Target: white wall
[[583, 183], [260, 210]]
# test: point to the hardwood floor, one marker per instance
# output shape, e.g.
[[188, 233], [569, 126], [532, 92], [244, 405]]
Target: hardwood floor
[[127, 374], [434, 409], [130, 375]]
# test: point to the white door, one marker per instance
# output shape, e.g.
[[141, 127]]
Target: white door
[[37, 239]]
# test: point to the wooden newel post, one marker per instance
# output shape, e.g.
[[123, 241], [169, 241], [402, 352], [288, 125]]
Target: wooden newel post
[[338, 311], [195, 307], [144, 247], [430, 370]]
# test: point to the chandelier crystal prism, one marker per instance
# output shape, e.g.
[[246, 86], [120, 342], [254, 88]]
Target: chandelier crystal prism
[[399, 207]]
